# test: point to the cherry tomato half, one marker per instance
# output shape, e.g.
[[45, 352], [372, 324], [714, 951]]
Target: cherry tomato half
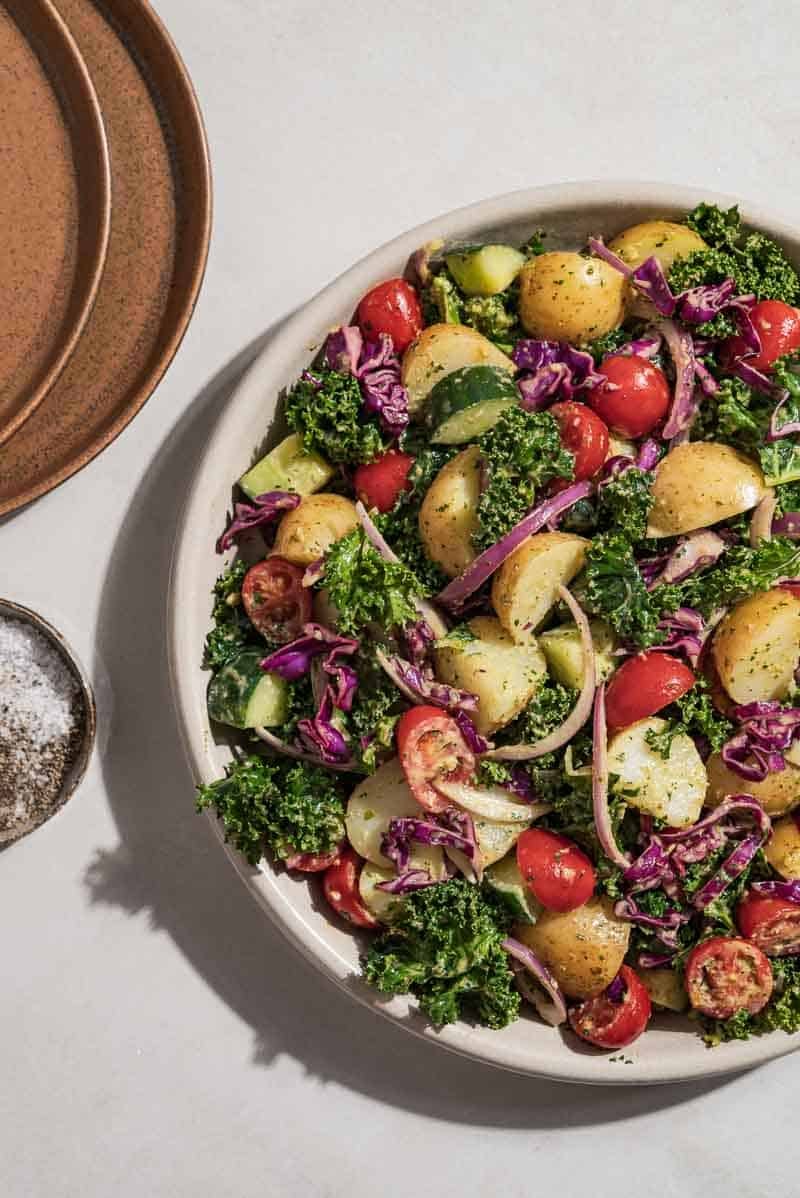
[[380, 483], [312, 863], [276, 602], [778, 327], [340, 887], [643, 685], [614, 1022], [640, 396], [391, 307], [556, 871], [773, 924], [725, 975], [584, 434], [431, 747]]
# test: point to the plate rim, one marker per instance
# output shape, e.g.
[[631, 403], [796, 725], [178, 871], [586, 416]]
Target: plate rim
[[86, 282], [267, 373]]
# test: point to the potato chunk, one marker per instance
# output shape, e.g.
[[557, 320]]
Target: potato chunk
[[699, 483], [502, 674], [779, 792], [308, 532], [672, 789], [584, 948], [438, 351], [526, 585], [449, 513], [567, 297], [757, 645], [783, 848]]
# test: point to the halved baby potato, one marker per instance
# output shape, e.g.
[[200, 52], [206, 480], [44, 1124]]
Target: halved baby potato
[[584, 948], [782, 850], [526, 586], [672, 788], [566, 297], [757, 645], [318, 521], [661, 239], [700, 483], [439, 350], [449, 513], [503, 675], [777, 794]]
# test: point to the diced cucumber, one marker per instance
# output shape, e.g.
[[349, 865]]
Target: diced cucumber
[[486, 270], [244, 696], [564, 655], [506, 879], [466, 403], [287, 467], [378, 902], [665, 988]]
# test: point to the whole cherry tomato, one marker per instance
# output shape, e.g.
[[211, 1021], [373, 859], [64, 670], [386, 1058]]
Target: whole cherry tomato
[[725, 975], [431, 746], [555, 870], [276, 602], [584, 434], [380, 483], [340, 887], [773, 924], [643, 685], [638, 398], [391, 307], [617, 1016], [778, 326]]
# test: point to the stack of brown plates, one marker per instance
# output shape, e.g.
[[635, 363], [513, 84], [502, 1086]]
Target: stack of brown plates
[[105, 216]]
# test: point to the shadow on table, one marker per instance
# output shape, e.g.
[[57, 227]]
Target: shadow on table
[[168, 861]]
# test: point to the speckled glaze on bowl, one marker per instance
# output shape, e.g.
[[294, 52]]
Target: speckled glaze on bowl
[[670, 1050]]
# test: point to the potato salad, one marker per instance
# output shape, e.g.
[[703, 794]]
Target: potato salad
[[507, 641]]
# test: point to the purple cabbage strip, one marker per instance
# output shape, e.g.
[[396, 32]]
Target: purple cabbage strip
[[479, 744], [683, 409], [456, 593], [687, 631], [699, 304], [729, 871], [292, 661], [262, 510], [651, 282], [520, 784], [654, 960], [419, 685], [787, 525], [640, 347], [692, 553], [616, 990], [451, 829], [556, 369], [789, 891], [766, 731], [418, 637], [408, 882], [377, 368], [320, 734], [664, 927], [705, 378], [789, 428]]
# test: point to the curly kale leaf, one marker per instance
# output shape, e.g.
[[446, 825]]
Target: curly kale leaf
[[376, 709], [232, 630], [445, 948], [756, 263], [521, 451], [740, 416], [788, 496], [326, 409], [291, 807], [365, 589], [741, 572], [608, 344], [625, 502], [615, 590], [695, 715]]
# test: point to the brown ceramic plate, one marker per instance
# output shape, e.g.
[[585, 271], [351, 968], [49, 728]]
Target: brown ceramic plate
[[55, 203], [160, 226]]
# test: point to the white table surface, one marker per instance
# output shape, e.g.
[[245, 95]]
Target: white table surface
[[157, 1035]]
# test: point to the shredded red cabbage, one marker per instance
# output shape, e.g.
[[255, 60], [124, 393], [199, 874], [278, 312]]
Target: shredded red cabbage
[[419, 685], [351, 766], [687, 632], [787, 525], [553, 368], [699, 304], [479, 744], [408, 882], [292, 661], [616, 990], [456, 593], [789, 891], [766, 731], [692, 553], [377, 368], [321, 736], [452, 829], [261, 510], [683, 409]]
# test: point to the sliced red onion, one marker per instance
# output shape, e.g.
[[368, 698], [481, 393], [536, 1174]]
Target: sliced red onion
[[479, 744], [654, 960], [729, 871], [602, 815], [681, 350], [649, 453], [413, 682], [408, 882], [761, 520], [787, 525], [491, 802], [554, 1012], [665, 927], [281, 746], [754, 378], [456, 593], [705, 378], [314, 572], [426, 610], [583, 705], [694, 552], [601, 250], [789, 891]]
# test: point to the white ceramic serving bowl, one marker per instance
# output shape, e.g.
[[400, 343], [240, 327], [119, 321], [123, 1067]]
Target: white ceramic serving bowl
[[670, 1050]]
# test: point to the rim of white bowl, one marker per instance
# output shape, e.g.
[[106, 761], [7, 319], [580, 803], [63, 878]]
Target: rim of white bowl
[[669, 1052]]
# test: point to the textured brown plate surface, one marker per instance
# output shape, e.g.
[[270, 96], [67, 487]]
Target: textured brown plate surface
[[55, 203], [160, 226]]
